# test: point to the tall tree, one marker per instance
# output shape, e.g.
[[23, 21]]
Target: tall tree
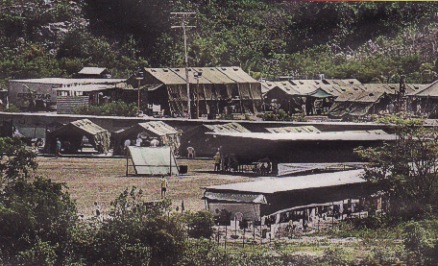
[[406, 169]]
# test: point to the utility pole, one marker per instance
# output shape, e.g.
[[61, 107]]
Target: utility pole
[[183, 18]]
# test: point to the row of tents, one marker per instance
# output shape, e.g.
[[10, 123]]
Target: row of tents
[[78, 134], [347, 97], [216, 91]]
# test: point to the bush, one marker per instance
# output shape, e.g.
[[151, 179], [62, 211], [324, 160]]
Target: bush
[[117, 108], [35, 218], [140, 233], [200, 224]]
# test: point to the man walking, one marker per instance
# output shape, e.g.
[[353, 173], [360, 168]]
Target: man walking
[[164, 185]]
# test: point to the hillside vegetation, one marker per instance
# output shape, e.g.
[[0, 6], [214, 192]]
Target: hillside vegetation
[[373, 42]]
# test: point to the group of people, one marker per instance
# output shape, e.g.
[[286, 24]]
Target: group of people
[[141, 142], [225, 162], [264, 169]]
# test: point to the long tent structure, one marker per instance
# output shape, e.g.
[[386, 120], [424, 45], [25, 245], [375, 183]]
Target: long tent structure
[[71, 136], [206, 145], [280, 195], [306, 96], [293, 146], [213, 90], [151, 161]]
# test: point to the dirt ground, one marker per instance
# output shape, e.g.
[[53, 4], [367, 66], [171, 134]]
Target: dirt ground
[[101, 180]]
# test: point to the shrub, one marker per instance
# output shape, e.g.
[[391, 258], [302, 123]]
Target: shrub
[[34, 216], [140, 233], [200, 224]]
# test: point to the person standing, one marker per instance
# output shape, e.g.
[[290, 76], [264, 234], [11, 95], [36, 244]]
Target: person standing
[[155, 142], [138, 141], [217, 161], [126, 144], [58, 148], [164, 185]]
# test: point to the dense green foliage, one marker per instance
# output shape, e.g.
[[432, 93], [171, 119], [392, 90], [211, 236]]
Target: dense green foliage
[[406, 169], [16, 160], [118, 108], [374, 42]]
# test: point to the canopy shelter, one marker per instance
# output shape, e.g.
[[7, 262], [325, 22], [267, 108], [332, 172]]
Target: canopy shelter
[[71, 137], [166, 134], [151, 161]]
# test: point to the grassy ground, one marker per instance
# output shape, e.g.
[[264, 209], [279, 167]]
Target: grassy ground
[[101, 180]]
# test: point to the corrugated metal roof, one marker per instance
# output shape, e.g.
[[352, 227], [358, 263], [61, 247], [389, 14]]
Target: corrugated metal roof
[[152, 160], [356, 135], [294, 168], [273, 185], [158, 128], [92, 70], [65, 81], [298, 129], [230, 127], [243, 198], [86, 88]]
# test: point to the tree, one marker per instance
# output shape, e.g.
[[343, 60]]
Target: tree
[[200, 224], [16, 160], [139, 233], [407, 168], [34, 215]]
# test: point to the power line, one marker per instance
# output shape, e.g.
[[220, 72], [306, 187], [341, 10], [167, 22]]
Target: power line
[[183, 19]]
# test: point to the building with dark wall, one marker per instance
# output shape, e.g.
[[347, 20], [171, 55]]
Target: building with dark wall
[[35, 94]]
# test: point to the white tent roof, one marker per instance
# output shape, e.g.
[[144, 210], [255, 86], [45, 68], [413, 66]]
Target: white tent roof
[[356, 135], [272, 184]]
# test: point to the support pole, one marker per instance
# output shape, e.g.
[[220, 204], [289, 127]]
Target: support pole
[[183, 19]]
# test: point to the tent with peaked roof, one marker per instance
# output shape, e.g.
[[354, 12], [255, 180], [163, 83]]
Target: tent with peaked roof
[[425, 100], [73, 133], [166, 134]]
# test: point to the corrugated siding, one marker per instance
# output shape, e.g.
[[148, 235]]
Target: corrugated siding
[[67, 104]]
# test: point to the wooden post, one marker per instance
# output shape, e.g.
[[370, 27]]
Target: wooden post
[[127, 161]]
